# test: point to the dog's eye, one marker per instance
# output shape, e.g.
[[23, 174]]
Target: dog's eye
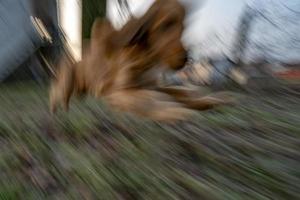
[[167, 25]]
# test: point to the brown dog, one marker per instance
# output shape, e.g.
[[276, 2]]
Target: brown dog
[[124, 67]]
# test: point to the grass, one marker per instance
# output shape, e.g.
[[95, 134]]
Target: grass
[[249, 151]]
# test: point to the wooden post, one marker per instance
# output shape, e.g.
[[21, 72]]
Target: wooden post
[[70, 20]]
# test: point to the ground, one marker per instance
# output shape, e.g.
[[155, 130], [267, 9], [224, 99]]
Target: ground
[[247, 151]]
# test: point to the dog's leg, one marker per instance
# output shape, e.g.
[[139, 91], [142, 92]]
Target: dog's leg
[[62, 88], [148, 103], [199, 99]]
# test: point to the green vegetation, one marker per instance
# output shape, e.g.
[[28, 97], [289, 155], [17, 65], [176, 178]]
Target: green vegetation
[[249, 151]]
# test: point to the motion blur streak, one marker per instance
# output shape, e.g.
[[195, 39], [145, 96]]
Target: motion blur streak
[[156, 64], [70, 16]]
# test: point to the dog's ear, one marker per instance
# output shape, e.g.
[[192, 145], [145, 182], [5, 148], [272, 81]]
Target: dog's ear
[[101, 29], [100, 36], [136, 29]]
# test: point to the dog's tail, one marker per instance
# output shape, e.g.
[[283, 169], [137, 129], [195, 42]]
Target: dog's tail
[[199, 98]]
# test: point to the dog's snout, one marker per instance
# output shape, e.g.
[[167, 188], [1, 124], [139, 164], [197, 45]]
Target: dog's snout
[[185, 59]]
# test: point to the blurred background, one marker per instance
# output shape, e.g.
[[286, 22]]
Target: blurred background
[[247, 151]]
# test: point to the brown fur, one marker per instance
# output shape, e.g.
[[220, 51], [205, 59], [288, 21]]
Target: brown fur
[[124, 67]]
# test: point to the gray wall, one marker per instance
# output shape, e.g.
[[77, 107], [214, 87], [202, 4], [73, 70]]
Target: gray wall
[[18, 38]]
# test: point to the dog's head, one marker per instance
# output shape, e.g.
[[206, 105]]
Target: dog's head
[[159, 32]]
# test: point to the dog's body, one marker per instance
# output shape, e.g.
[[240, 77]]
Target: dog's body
[[125, 67]]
